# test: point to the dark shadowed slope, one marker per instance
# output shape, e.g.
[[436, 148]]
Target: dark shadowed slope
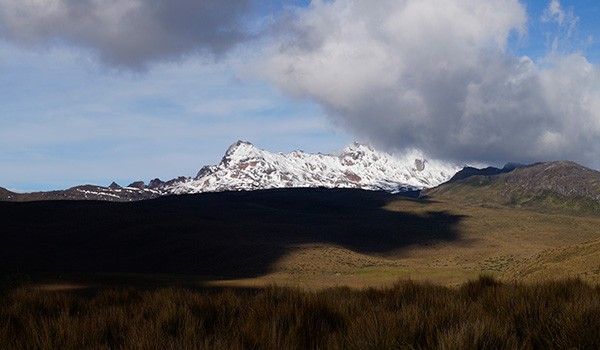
[[468, 171], [6, 195], [230, 234], [556, 186], [113, 193]]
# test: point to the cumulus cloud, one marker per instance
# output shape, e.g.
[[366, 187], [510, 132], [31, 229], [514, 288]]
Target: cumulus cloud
[[128, 33], [438, 76]]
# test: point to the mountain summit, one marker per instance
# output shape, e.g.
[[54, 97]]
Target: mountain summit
[[247, 167]]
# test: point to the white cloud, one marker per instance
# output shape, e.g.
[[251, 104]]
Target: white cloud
[[437, 75], [554, 12]]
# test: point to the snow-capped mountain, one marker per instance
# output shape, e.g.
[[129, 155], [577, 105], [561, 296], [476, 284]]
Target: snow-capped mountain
[[247, 167]]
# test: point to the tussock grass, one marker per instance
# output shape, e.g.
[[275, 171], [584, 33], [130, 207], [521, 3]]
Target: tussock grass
[[480, 314]]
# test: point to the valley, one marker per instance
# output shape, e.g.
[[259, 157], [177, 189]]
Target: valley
[[308, 238]]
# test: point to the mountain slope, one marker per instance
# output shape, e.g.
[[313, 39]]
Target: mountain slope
[[561, 185]]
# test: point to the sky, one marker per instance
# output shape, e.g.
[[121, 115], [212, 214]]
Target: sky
[[95, 91]]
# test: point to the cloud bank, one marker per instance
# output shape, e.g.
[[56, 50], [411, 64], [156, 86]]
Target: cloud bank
[[435, 75], [130, 33], [439, 76]]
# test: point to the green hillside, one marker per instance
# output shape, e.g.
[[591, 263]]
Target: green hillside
[[550, 187]]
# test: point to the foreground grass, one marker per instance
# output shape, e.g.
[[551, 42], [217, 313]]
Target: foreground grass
[[480, 314]]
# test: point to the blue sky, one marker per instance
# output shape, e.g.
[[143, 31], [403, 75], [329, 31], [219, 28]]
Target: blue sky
[[540, 33], [134, 101]]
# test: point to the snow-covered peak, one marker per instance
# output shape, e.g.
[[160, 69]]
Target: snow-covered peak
[[247, 167], [239, 151]]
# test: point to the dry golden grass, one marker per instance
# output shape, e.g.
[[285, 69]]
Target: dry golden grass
[[315, 267], [579, 260], [482, 314], [500, 238]]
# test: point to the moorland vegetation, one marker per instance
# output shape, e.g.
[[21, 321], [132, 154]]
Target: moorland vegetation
[[484, 313]]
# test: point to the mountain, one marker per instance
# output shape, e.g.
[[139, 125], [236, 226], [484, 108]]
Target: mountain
[[247, 167], [561, 185]]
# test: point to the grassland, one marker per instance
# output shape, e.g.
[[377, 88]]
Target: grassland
[[310, 239], [502, 239], [574, 260], [483, 314]]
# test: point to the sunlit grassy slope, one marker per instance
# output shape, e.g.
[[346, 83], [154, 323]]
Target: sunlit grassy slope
[[581, 260], [506, 239]]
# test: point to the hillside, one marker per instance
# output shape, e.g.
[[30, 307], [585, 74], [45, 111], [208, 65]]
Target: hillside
[[556, 186], [579, 260]]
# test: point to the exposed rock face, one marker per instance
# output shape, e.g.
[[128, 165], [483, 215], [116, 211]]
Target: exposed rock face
[[155, 183], [420, 164], [138, 184]]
